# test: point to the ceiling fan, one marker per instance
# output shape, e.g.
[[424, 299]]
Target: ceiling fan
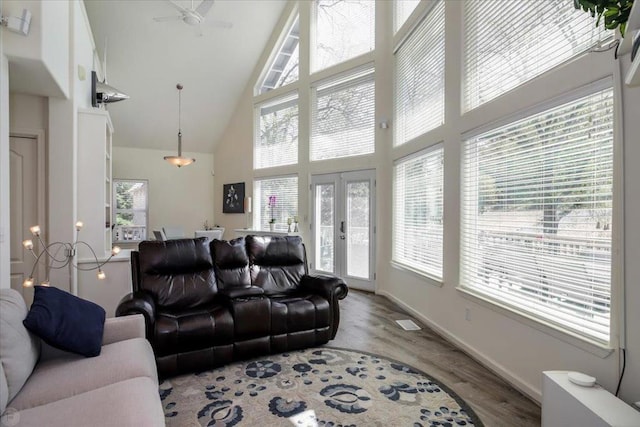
[[194, 17]]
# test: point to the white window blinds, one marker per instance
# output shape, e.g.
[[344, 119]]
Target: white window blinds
[[536, 215], [419, 78], [401, 11], [277, 141], [343, 30], [417, 211], [275, 198], [539, 36], [344, 116]]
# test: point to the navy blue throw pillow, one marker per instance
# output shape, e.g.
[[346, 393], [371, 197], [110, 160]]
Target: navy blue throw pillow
[[65, 321]]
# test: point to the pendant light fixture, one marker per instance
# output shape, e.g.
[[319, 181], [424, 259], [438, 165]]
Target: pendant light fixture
[[178, 160]]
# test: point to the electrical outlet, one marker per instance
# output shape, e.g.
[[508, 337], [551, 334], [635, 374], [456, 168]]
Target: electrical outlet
[[467, 315]]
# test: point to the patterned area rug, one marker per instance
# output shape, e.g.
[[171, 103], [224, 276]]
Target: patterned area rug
[[313, 387]]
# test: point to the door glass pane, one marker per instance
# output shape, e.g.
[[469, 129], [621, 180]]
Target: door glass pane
[[325, 232], [357, 231]]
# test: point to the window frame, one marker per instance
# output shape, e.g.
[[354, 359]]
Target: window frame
[[466, 106], [291, 97], [313, 68], [591, 345], [409, 28], [115, 209], [257, 213], [342, 80], [435, 279], [275, 52]]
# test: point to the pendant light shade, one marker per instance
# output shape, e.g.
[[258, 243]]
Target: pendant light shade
[[179, 160]]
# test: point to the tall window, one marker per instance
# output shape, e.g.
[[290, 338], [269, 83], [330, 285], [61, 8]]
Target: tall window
[[417, 211], [276, 143], [401, 11], [284, 67], [419, 78], [130, 216], [536, 215], [498, 57], [344, 29], [344, 116], [275, 199]]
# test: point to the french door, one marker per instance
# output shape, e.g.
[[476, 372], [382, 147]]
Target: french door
[[343, 226]]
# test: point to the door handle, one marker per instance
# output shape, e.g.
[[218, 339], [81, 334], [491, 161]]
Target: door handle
[[342, 227]]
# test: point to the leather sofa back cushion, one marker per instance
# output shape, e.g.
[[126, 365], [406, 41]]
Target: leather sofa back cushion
[[277, 263], [178, 273], [231, 263], [19, 349]]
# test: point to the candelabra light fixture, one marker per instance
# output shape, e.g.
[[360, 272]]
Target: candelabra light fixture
[[56, 260]]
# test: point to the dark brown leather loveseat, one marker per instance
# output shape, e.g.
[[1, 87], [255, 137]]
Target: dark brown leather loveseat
[[209, 303]]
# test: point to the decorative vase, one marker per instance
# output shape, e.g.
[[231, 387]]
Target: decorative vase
[[272, 226]]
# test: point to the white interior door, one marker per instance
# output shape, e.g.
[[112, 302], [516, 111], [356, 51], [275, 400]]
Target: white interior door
[[343, 226], [24, 209]]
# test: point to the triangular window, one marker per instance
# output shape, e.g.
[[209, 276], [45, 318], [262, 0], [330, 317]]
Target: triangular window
[[283, 68]]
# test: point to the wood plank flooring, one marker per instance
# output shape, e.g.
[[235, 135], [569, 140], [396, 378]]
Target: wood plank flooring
[[368, 323]]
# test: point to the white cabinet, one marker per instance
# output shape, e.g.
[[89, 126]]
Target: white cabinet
[[95, 132]]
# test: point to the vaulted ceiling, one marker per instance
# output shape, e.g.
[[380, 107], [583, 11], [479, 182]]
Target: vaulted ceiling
[[146, 59]]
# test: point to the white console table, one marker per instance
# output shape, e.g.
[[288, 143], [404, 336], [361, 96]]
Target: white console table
[[241, 232], [565, 404]]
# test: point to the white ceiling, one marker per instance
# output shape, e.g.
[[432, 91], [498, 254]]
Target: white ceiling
[[146, 59]]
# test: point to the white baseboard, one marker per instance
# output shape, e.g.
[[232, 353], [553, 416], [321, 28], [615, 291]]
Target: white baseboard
[[487, 362]]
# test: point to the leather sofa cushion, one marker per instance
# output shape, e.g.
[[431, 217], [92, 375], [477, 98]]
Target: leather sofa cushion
[[178, 273], [231, 263], [194, 329], [299, 313], [277, 263]]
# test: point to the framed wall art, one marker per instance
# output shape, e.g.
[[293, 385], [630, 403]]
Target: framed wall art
[[233, 198]]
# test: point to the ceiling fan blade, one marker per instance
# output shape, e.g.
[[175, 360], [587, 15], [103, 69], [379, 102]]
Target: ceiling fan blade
[[167, 18], [220, 24], [177, 6], [204, 7]]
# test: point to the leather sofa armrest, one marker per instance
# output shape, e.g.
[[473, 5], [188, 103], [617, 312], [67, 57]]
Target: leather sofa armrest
[[139, 303], [233, 293], [332, 289], [327, 286]]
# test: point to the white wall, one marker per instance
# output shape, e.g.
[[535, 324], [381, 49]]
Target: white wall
[[5, 212], [177, 196], [39, 61], [233, 163], [28, 112], [61, 39], [516, 349], [630, 390]]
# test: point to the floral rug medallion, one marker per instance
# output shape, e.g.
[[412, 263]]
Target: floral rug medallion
[[313, 387]]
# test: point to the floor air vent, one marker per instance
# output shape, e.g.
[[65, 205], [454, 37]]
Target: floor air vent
[[408, 325]]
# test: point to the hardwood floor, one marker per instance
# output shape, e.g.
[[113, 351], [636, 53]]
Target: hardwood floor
[[368, 323]]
